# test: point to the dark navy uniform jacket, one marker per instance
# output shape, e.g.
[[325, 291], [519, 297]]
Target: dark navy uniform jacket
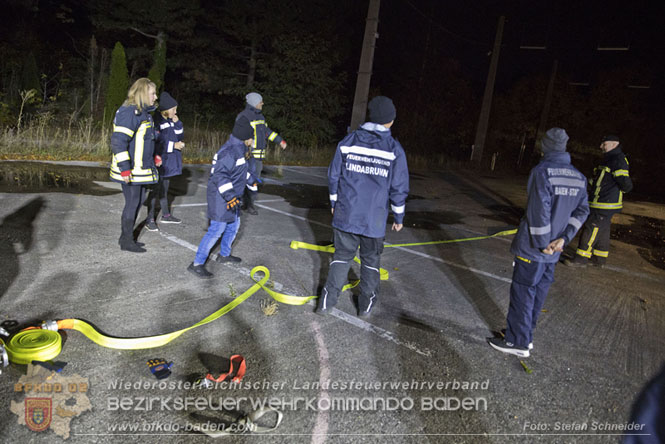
[[168, 133], [368, 173], [557, 206], [228, 176], [133, 145], [261, 131], [610, 180]]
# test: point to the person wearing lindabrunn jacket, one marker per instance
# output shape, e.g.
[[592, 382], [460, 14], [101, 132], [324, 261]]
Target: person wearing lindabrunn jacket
[[367, 178], [134, 161], [556, 208]]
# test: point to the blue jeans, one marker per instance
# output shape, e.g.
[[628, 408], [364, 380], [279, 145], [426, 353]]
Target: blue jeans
[[227, 231], [531, 282]]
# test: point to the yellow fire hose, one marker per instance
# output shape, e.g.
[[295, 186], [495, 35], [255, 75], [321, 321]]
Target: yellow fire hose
[[45, 343], [42, 344]]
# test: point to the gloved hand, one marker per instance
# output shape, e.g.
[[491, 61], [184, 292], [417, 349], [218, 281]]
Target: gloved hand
[[158, 160], [160, 368], [232, 203], [283, 144]]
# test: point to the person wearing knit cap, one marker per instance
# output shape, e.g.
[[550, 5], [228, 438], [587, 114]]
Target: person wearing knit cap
[[168, 144], [610, 181], [261, 134], [367, 176], [229, 175], [557, 206]]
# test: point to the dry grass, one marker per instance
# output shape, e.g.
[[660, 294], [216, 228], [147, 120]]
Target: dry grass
[[41, 138]]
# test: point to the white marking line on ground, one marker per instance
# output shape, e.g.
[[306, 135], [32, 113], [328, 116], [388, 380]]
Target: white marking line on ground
[[380, 332], [205, 203], [321, 425], [417, 253], [453, 264], [295, 216], [385, 334], [306, 174], [244, 271]]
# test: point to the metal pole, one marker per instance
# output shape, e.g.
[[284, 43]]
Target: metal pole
[[483, 120], [365, 68]]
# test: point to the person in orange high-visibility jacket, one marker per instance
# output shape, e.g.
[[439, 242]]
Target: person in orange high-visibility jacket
[[610, 181]]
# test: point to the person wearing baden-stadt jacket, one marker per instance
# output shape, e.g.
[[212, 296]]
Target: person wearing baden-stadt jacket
[[367, 176], [228, 177], [557, 206], [169, 143], [610, 181], [134, 161]]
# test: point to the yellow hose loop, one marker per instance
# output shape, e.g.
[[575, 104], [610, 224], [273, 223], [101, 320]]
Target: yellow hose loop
[[279, 297], [41, 345], [331, 249], [33, 345]]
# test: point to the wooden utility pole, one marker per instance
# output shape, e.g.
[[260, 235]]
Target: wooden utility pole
[[548, 103], [483, 120], [365, 68]]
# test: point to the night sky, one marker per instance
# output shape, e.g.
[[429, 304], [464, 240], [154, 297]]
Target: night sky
[[432, 58]]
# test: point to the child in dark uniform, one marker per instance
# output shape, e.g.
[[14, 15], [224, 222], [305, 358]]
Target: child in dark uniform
[[169, 146]]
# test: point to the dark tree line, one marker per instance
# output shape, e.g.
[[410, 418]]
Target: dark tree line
[[302, 55], [207, 53]]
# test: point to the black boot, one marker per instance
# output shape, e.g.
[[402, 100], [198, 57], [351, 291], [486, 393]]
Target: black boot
[[126, 240]]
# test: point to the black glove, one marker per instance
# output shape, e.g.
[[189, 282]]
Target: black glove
[[230, 205]]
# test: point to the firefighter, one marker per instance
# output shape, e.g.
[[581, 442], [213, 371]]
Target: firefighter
[[556, 209], [610, 181], [367, 176], [134, 161], [228, 177], [253, 113]]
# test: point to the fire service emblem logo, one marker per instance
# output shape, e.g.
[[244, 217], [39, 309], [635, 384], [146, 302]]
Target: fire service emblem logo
[[38, 413]]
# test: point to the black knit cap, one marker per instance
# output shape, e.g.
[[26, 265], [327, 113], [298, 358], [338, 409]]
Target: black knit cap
[[611, 138], [381, 110], [242, 129], [166, 101]]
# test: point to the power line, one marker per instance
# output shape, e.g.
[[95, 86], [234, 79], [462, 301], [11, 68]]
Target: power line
[[444, 29]]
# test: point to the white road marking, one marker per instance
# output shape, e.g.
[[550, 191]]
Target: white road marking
[[349, 319], [321, 425], [417, 253]]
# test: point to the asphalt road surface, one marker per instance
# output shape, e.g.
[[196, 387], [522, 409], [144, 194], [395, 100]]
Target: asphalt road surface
[[419, 369]]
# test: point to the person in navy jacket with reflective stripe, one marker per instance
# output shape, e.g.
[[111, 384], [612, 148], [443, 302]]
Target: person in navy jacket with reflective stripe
[[134, 160], [169, 143], [367, 176], [557, 206], [228, 176]]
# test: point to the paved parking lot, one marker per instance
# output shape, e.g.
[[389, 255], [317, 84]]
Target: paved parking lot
[[419, 366]]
